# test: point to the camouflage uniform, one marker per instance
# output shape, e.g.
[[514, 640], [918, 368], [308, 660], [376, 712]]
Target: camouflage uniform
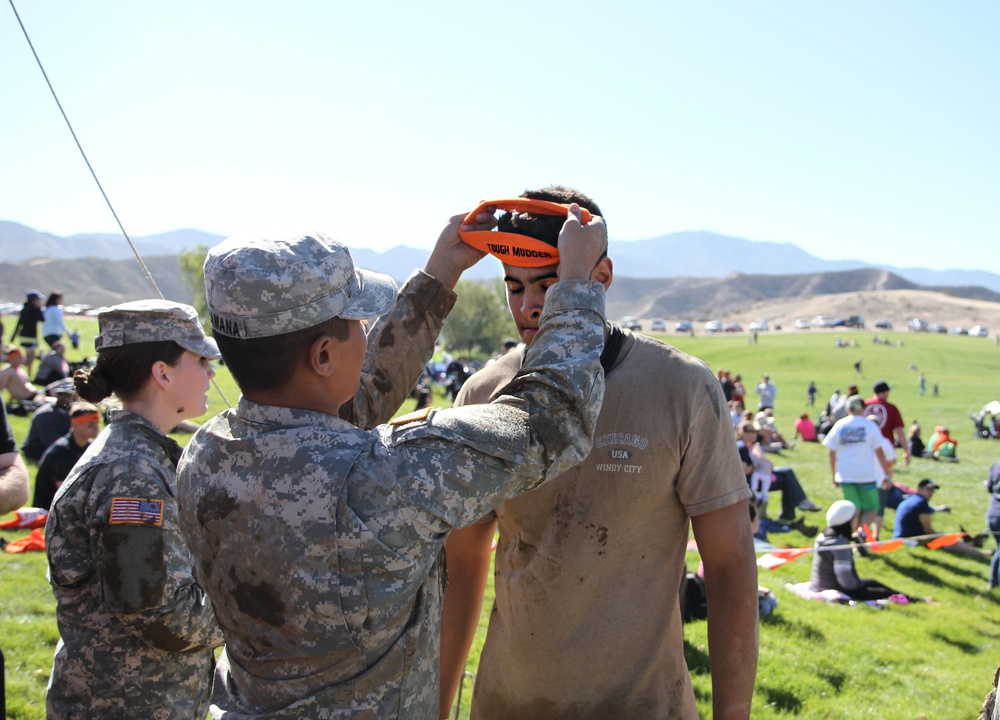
[[319, 542], [136, 632]]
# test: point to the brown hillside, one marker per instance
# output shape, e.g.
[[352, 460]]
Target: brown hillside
[[781, 299], [93, 281], [899, 306], [741, 298]]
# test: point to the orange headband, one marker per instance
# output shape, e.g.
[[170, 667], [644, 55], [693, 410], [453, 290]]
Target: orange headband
[[85, 418], [512, 248]]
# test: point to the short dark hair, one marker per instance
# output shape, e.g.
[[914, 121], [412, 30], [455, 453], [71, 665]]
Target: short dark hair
[[844, 529], [82, 408], [269, 362], [124, 370], [545, 227]]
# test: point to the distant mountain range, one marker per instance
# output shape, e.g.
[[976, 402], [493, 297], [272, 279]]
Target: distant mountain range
[[33, 259]]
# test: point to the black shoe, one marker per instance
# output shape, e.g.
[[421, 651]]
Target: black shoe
[[808, 530], [977, 540], [980, 539]]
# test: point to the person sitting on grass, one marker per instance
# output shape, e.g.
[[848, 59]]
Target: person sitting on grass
[[770, 439], [932, 440], [736, 411], [941, 445], [913, 520], [805, 429], [914, 440], [53, 367], [833, 560], [23, 396], [49, 422], [62, 455], [763, 477]]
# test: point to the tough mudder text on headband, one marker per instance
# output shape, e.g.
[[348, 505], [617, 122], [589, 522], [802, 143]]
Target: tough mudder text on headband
[[512, 248]]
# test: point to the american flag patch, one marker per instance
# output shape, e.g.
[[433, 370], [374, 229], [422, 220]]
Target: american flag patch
[[136, 511]]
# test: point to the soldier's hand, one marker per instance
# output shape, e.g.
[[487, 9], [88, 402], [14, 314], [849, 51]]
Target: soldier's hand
[[450, 256], [580, 246]]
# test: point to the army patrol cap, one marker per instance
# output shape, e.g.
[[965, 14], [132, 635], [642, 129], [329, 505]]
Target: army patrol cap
[[261, 287], [153, 321]]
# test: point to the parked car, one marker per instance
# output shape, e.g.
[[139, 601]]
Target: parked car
[[802, 324], [760, 325], [713, 326], [979, 331], [883, 324], [917, 325], [658, 325], [856, 321], [631, 323], [733, 327], [937, 328], [959, 330], [684, 326], [824, 322]]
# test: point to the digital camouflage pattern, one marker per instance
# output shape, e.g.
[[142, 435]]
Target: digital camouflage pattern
[[319, 542], [399, 348], [154, 321], [136, 632], [261, 287]]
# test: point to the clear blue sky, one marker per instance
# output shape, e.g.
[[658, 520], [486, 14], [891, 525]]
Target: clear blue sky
[[855, 130]]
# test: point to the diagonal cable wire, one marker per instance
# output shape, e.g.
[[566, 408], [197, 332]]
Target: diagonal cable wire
[[93, 174], [85, 159]]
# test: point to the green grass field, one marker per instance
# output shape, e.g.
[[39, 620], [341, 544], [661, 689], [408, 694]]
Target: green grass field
[[816, 660]]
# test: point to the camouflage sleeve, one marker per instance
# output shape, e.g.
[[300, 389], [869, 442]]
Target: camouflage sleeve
[[561, 380], [458, 464], [145, 572], [399, 348]]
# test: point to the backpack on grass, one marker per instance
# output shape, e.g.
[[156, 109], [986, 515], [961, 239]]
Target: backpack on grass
[[694, 598]]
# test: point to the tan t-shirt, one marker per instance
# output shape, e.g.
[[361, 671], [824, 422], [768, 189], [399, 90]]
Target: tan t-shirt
[[586, 622]]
